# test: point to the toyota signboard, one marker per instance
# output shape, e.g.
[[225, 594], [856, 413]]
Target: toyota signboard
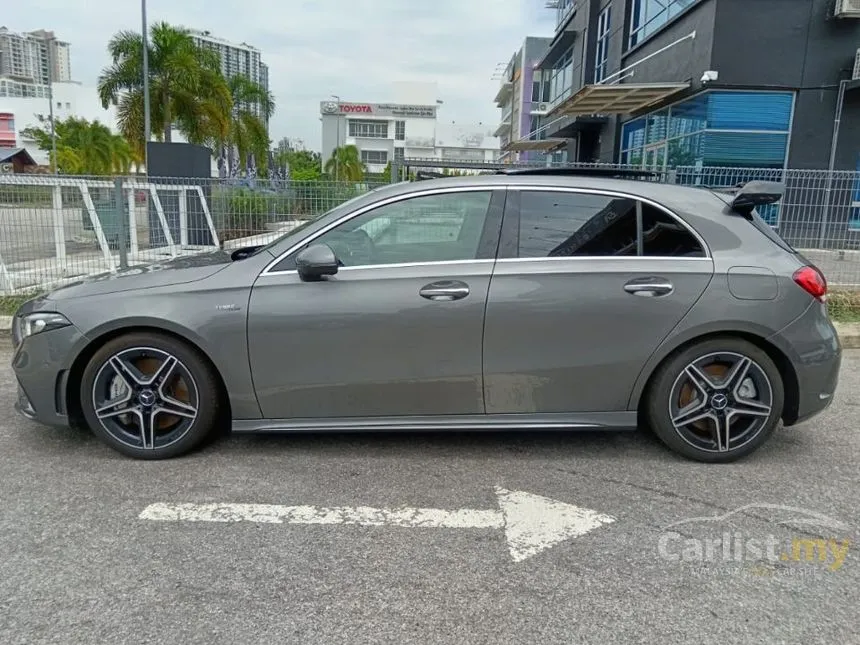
[[392, 110]]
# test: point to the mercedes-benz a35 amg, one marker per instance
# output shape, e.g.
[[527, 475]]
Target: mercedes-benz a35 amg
[[511, 301]]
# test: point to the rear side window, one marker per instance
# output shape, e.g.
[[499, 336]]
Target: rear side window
[[567, 224], [664, 236]]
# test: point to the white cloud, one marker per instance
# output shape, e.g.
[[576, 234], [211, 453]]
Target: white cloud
[[314, 49]]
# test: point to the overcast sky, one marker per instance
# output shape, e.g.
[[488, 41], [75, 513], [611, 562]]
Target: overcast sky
[[315, 48]]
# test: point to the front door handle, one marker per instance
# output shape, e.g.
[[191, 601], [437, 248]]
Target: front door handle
[[650, 287], [445, 290]]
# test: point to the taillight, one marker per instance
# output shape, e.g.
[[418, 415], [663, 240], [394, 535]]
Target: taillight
[[812, 282]]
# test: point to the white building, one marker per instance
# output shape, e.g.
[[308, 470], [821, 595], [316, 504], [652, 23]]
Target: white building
[[69, 99], [236, 58], [29, 62], [402, 129]]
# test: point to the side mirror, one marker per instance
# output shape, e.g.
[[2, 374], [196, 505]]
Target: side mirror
[[316, 261]]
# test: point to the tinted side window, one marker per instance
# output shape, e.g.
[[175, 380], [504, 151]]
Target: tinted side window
[[560, 224], [664, 236], [431, 228]]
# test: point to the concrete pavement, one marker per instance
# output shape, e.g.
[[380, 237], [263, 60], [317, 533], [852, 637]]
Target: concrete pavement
[[81, 566]]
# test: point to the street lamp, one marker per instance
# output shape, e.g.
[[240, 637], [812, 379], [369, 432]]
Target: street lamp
[[147, 125], [336, 159]]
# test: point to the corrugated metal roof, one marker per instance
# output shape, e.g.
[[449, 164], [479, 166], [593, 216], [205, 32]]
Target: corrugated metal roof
[[7, 153]]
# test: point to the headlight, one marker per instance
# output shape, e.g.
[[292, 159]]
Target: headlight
[[38, 322]]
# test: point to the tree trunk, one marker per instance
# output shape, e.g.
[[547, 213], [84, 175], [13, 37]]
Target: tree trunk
[[168, 118]]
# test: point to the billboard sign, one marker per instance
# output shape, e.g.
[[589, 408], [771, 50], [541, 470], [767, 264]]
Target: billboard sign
[[390, 110]]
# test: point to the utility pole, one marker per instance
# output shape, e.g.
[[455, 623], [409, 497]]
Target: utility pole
[[147, 125], [51, 107], [337, 147]]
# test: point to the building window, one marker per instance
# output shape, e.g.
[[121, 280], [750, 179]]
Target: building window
[[601, 60], [647, 16], [561, 77], [744, 131], [379, 157], [400, 130], [565, 8], [368, 129], [400, 154]]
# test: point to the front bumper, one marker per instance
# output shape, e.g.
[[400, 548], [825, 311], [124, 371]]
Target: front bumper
[[41, 364]]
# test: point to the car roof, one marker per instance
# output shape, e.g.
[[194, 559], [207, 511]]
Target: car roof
[[670, 195]]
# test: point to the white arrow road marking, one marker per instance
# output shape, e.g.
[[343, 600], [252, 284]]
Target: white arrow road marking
[[532, 523]]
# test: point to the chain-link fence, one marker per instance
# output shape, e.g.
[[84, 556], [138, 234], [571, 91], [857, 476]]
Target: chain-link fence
[[58, 229]]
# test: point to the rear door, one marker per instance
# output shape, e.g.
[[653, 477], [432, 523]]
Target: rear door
[[587, 285]]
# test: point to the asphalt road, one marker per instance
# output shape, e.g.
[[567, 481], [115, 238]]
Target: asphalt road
[[79, 566]]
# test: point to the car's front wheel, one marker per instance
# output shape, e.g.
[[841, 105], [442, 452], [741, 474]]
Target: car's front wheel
[[716, 400], [149, 396]]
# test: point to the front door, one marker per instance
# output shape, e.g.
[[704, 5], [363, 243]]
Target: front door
[[581, 297], [398, 330]]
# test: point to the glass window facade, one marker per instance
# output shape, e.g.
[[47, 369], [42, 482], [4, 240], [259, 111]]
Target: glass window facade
[[374, 156], [604, 28], [560, 77], [741, 130], [647, 16], [368, 129], [563, 11], [718, 128]]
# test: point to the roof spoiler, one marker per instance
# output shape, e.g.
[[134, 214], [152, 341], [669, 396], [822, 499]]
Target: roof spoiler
[[757, 193]]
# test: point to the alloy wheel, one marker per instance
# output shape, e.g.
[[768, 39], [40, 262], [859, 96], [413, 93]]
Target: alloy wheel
[[720, 402], [145, 398]]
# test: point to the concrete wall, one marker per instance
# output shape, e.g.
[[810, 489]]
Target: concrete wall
[[798, 45]]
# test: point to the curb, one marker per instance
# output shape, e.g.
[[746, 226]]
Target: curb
[[849, 333]]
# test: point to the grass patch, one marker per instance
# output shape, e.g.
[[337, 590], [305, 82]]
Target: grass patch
[[844, 306], [9, 304]]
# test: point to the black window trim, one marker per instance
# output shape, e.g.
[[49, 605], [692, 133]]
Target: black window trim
[[487, 245], [509, 244]]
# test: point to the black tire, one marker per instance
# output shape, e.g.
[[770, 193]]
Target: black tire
[[195, 376], [664, 387]]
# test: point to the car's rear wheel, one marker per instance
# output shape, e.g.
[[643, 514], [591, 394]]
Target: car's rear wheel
[[149, 396], [717, 400]]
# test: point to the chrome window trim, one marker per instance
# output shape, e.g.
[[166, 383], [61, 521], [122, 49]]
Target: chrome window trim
[[592, 258], [399, 265], [615, 193], [385, 202]]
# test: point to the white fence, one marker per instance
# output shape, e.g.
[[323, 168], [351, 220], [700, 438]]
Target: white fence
[[31, 223]]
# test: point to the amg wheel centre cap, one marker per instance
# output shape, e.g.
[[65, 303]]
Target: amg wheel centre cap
[[719, 401], [146, 398]]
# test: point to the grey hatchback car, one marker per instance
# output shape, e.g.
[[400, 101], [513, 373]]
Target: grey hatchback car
[[515, 301]]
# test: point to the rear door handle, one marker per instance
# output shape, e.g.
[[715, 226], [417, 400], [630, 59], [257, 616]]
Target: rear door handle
[[445, 290], [649, 287]]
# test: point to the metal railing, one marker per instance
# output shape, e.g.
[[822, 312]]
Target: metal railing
[[55, 230]]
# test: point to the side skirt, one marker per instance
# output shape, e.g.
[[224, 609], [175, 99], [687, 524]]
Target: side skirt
[[471, 422]]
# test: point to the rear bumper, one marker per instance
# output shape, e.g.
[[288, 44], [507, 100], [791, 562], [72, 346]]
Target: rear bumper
[[813, 347]]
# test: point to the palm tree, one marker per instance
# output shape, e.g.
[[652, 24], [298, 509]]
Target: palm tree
[[186, 85], [253, 105], [345, 163], [84, 147]]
